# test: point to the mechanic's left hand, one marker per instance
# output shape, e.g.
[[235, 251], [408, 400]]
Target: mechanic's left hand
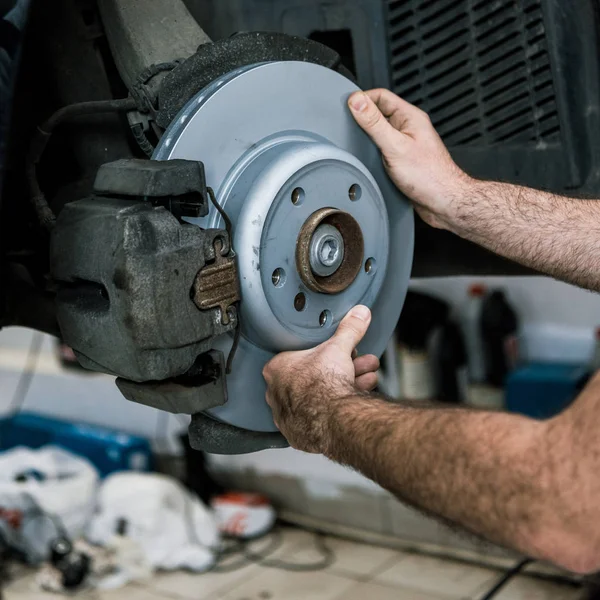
[[304, 387]]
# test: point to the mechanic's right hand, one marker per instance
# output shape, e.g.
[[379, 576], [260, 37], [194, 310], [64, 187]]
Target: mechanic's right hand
[[413, 154], [306, 388]]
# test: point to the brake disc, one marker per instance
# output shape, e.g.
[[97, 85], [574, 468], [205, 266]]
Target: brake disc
[[318, 226]]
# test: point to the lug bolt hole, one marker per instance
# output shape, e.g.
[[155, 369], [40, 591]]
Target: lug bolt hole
[[325, 319], [371, 266], [355, 192], [300, 302], [279, 278], [298, 196]]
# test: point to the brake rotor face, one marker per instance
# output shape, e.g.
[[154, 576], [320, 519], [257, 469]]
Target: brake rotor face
[[280, 148]]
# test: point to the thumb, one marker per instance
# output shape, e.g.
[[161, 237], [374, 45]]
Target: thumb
[[371, 119], [352, 329]]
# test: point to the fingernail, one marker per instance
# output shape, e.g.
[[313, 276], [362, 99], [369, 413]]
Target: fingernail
[[361, 312], [358, 102]]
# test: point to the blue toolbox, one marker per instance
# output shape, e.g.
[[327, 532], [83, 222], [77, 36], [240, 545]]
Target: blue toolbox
[[543, 390], [108, 450]]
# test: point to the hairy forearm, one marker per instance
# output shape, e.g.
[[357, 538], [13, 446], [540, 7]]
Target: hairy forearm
[[487, 472], [553, 234]]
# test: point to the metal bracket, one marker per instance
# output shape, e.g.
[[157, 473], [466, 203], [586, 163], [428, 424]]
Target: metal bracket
[[217, 285]]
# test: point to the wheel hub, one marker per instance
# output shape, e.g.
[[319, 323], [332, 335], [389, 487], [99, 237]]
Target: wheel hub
[[318, 227], [330, 251]]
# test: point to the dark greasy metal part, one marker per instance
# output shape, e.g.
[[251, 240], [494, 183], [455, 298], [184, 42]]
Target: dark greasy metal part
[[125, 271], [152, 32], [353, 251], [71, 60], [178, 185], [201, 388], [217, 285], [212, 61], [25, 305], [216, 437]]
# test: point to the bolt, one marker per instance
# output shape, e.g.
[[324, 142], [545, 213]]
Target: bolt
[[278, 278], [325, 318], [329, 251], [326, 250]]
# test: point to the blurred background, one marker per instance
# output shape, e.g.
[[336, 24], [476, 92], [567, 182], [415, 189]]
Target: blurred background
[[458, 341]]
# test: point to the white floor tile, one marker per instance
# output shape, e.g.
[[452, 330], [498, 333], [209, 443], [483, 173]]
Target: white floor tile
[[129, 592], [350, 558], [529, 588], [374, 591], [292, 539], [287, 585], [25, 588], [435, 575], [33, 594], [191, 586]]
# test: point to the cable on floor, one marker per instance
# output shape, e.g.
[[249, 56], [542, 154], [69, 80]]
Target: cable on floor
[[263, 557], [327, 557], [502, 581]]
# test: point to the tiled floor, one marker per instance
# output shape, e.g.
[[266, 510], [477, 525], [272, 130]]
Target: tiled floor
[[359, 572]]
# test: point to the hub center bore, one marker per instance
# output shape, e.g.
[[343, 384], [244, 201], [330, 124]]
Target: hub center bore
[[329, 251]]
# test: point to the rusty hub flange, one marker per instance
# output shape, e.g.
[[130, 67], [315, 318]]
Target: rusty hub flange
[[354, 250]]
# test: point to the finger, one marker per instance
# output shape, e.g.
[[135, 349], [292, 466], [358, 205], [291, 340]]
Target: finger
[[270, 400], [267, 372], [370, 118], [277, 409], [280, 364], [367, 382], [354, 353], [365, 364], [399, 112], [352, 329]]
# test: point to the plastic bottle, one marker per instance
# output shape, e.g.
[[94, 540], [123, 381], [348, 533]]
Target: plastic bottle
[[418, 381], [421, 316], [450, 361], [499, 326], [471, 325]]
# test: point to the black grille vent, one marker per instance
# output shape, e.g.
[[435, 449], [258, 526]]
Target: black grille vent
[[480, 68]]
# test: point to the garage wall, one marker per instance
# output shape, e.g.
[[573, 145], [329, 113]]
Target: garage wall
[[61, 393]]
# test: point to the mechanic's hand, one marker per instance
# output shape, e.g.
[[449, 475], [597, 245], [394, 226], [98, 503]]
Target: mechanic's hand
[[304, 387], [413, 153]]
